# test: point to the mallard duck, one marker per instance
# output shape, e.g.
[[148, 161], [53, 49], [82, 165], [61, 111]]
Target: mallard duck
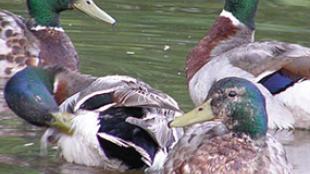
[[280, 70], [41, 40], [227, 134], [115, 122]]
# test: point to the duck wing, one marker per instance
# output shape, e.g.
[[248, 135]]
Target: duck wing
[[258, 58], [117, 91], [124, 91]]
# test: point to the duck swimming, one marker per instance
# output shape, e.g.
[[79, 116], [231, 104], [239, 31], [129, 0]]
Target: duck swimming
[[115, 122], [227, 135], [279, 69], [41, 41]]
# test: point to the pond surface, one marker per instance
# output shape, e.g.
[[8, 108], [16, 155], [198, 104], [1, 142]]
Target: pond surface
[[150, 42]]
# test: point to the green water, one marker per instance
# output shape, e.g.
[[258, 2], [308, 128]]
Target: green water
[[136, 47]]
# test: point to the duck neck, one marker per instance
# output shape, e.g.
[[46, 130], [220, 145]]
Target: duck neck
[[249, 114], [46, 20], [254, 126], [44, 14], [225, 34], [243, 10], [234, 27]]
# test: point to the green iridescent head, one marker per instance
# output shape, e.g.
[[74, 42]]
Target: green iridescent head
[[32, 95], [236, 102], [243, 10], [29, 94], [46, 12]]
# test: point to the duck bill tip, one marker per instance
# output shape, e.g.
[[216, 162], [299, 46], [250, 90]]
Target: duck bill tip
[[91, 9]]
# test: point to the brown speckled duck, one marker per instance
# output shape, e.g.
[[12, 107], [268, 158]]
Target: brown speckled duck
[[40, 40], [227, 135], [280, 70]]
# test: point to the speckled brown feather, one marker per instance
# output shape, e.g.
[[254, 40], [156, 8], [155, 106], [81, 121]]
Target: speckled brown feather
[[224, 154], [21, 46], [18, 48], [228, 153]]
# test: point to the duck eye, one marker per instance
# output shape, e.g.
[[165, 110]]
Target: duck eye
[[200, 109], [232, 94]]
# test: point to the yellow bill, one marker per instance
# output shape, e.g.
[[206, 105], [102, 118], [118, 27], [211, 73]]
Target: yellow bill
[[200, 114], [63, 122], [91, 9]]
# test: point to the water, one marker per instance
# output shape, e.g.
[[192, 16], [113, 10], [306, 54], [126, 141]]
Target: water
[[150, 42]]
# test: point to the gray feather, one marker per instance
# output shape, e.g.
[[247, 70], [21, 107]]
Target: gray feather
[[259, 57]]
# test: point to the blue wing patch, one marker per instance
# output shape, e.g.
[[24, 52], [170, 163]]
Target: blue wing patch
[[279, 81]]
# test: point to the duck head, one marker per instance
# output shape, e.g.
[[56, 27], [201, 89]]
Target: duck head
[[46, 12], [243, 10], [32, 95], [29, 94], [236, 102]]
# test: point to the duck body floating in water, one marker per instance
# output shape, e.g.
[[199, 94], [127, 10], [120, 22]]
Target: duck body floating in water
[[280, 70], [41, 41], [115, 122], [228, 135]]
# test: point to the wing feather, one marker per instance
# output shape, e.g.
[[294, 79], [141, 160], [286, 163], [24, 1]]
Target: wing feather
[[128, 92], [120, 142], [270, 56]]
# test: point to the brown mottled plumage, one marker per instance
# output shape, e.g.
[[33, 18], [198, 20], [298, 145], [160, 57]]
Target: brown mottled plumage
[[17, 49], [31, 47], [229, 153]]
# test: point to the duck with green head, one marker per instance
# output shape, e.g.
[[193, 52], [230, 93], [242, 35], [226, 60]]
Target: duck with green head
[[115, 122], [41, 41], [227, 134], [279, 69]]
